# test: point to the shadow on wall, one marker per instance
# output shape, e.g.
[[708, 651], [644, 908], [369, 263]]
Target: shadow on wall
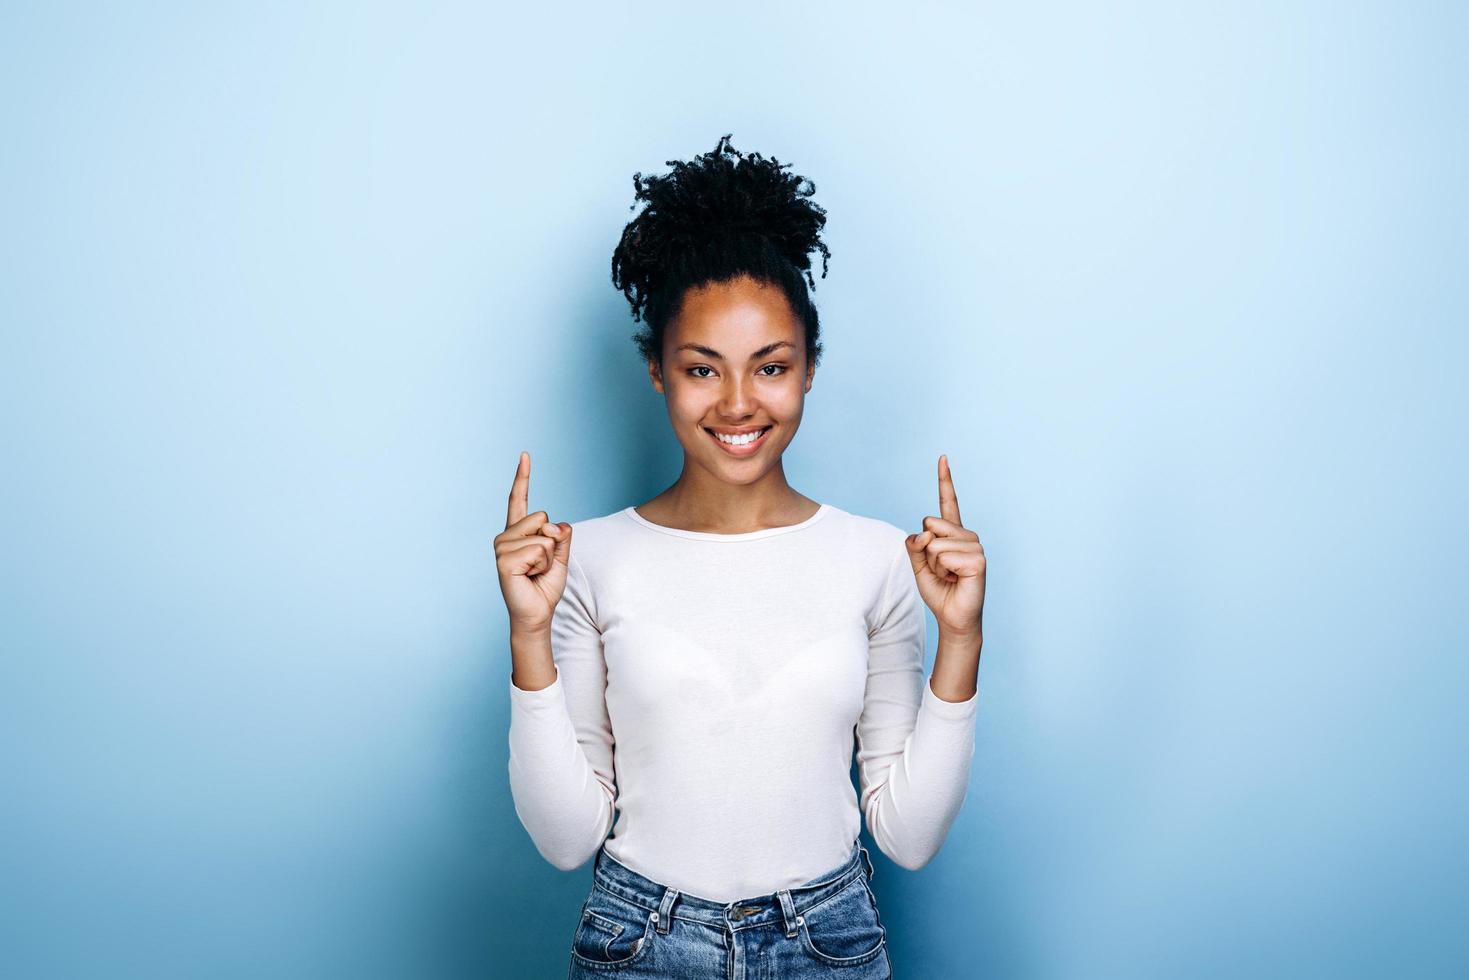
[[500, 909]]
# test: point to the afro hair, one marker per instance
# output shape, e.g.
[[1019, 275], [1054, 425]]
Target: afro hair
[[709, 220]]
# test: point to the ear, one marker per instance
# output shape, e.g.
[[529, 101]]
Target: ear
[[810, 373], [655, 374]]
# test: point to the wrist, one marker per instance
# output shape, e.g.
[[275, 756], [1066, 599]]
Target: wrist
[[529, 634], [955, 637], [532, 665]]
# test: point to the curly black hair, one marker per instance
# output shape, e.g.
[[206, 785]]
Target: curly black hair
[[709, 220]]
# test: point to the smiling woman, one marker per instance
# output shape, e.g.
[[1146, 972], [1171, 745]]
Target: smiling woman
[[646, 700], [743, 404], [718, 265]]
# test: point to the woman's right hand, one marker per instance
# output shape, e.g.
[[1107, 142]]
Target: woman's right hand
[[531, 556]]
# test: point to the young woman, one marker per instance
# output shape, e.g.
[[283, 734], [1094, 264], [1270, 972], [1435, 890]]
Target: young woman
[[692, 675]]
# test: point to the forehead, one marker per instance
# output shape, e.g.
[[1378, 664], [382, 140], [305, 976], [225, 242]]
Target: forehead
[[740, 312]]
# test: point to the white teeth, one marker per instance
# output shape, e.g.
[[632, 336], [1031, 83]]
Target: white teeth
[[743, 440]]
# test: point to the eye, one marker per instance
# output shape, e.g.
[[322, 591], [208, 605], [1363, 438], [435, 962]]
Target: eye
[[699, 367], [780, 369]]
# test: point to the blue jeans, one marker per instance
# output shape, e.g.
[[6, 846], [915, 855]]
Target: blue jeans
[[632, 926]]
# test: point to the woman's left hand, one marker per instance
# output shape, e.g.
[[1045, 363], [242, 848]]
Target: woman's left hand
[[948, 562]]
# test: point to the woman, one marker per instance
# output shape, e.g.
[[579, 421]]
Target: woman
[[697, 667]]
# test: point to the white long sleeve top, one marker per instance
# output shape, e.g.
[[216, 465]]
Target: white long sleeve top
[[708, 689]]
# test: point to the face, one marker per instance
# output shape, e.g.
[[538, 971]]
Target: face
[[734, 361]]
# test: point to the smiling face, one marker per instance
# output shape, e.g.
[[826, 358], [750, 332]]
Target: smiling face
[[734, 361]]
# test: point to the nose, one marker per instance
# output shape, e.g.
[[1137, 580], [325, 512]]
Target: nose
[[736, 399]]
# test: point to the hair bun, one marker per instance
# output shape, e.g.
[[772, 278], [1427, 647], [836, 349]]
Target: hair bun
[[718, 196], [721, 214]]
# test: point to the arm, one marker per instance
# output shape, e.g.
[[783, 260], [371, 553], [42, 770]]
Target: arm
[[561, 767], [913, 748]]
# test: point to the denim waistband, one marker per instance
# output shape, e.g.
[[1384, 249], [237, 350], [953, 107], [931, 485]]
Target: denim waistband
[[666, 903]]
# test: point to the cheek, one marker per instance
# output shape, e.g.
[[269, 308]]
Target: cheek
[[787, 403], [687, 405], [685, 400]]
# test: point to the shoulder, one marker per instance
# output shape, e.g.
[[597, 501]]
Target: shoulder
[[873, 550], [595, 536], [870, 538]]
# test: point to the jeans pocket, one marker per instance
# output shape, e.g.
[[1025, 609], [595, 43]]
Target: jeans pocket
[[844, 930], [612, 932]]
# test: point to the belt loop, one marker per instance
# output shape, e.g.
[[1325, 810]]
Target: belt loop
[[664, 916], [866, 859], [787, 911]]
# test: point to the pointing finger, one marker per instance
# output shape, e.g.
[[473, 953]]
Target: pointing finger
[[519, 491], [948, 501]]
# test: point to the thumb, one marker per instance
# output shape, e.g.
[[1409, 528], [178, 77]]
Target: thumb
[[563, 544], [915, 543]]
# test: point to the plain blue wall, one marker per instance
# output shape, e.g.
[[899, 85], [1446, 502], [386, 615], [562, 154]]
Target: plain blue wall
[[286, 288]]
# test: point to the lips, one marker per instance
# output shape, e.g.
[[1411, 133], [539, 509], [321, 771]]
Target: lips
[[746, 450]]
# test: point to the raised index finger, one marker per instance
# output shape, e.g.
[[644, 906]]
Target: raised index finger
[[948, 501], [519, 491]]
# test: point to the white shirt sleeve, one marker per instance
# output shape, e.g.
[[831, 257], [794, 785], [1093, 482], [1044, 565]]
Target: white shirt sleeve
[[562, 778], [913, 748]]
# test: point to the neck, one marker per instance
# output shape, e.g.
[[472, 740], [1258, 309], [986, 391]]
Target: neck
[[699, 501]]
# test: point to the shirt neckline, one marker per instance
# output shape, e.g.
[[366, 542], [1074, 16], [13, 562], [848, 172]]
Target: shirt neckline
[[821, 511]]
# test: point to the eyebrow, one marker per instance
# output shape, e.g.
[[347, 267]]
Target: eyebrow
[[711, 352]]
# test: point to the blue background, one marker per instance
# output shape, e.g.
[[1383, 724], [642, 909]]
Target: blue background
[[286, 288]]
